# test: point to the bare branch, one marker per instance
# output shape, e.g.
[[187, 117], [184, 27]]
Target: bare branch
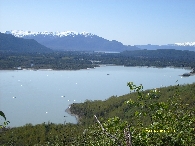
[[128, 136], [108, 134]]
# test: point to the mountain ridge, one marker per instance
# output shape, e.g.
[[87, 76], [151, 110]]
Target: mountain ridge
[[85, 41], [21, 33], [11, 43], [72, 41]]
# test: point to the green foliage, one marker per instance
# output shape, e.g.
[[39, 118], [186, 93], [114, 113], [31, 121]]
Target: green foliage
[[2, 114], [5, 123], [111, 134], [171, 122], [47, 134]]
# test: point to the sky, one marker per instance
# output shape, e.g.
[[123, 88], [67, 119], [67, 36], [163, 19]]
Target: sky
[[131, 22]]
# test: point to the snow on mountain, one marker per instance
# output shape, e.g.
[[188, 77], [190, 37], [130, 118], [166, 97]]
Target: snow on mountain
[[185, 44], [74, 41], [21, 33]]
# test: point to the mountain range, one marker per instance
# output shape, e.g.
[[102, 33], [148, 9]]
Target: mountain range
[[84, 41], [176, 46], [73, 41], [11, 43]]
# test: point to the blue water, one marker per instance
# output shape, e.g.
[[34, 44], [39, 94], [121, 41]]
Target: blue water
[[35, 97]]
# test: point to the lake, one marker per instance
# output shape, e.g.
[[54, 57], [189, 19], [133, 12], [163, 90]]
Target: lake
[[28, 96]]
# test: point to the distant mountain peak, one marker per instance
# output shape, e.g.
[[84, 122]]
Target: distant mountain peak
[[22, 33], [185, 44]]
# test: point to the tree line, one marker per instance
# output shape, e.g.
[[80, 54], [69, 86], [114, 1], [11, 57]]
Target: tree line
[[73, 60]]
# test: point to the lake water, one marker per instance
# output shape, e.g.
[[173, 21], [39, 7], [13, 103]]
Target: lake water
[[35, 97]]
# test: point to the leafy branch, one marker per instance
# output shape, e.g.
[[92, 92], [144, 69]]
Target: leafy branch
[[6, 122]]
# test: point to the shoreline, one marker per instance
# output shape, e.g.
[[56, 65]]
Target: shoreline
[[72, 114], [99, 65], [49, 69]]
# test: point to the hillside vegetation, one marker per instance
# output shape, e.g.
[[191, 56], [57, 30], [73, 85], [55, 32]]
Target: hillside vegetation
[[163, 116], [114, 106]]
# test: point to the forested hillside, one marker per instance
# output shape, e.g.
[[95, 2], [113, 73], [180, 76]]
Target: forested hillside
[[114, 106], [9, 43], [174, 105]]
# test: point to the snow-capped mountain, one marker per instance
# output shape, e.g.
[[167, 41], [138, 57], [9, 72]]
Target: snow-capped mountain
[[85, 41], [21, 33], [72, 41], [185, 44]]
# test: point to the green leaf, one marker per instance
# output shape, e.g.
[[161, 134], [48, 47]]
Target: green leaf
[[2, 114], [136, 113]]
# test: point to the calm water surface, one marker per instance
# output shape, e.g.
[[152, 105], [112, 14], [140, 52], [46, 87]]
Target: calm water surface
[[40, 96]]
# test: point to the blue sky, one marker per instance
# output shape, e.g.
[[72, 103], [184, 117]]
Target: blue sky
[[131, 22]]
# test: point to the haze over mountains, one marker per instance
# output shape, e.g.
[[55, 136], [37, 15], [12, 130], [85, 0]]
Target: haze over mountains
[[74, 41]]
